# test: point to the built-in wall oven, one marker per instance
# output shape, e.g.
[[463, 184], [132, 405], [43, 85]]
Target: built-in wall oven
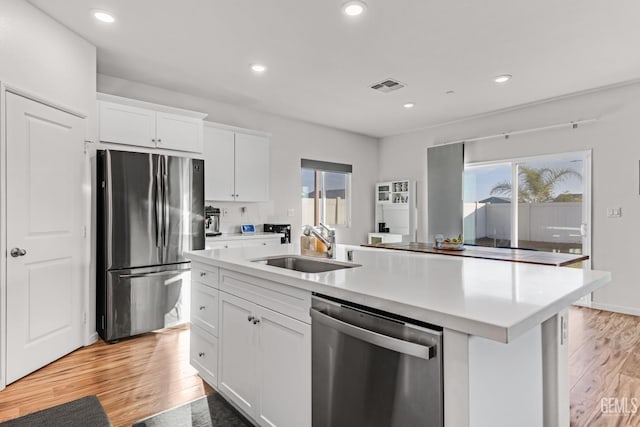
[[371, 368]]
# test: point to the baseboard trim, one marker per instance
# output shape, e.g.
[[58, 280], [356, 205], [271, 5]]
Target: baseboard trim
[[615, 308], [93, 337]]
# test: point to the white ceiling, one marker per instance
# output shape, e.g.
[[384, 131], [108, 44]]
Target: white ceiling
[[321, 63]]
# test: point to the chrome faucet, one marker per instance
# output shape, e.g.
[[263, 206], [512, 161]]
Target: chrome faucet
[[325, 234]]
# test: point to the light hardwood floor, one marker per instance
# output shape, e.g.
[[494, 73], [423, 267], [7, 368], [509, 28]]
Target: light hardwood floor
[[139, 377], [133, 378], [604, 363]]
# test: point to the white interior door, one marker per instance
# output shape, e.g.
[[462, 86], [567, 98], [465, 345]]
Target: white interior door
[[44, 234]]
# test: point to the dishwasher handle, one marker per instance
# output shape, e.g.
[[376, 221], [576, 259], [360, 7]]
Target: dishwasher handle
[[375, 338]]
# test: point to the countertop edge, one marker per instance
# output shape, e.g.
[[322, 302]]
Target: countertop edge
[[239, 236], [499, 333]]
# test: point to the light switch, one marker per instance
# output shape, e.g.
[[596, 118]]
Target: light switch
[[614, 212], [225, 212]]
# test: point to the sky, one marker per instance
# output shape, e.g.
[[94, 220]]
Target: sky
[[478, 181]]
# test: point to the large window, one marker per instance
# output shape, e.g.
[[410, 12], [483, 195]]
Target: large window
[[326, 193], [546, 209]]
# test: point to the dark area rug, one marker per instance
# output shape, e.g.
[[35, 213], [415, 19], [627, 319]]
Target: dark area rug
[[209, 411], [83, 412]]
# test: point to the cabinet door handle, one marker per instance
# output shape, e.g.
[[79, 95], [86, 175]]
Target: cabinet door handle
[[250, 318], [153, 140], [264, 243], [202, 274], [201, 354], [159, 140], [256, 321], [202, 307]]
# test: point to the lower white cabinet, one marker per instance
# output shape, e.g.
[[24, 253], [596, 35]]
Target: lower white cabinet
[[204, 354], [203, 351], [265, 363], [216, 243], [223, 244]]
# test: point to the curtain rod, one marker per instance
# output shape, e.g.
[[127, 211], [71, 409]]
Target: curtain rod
[[573, 124]]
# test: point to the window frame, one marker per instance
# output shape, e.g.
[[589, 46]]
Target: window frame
[[320, 201], [584, 155]]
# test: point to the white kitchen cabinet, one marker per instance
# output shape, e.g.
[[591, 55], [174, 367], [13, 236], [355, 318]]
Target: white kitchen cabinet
[[126, 124], [204, 307], [243, 241], [204, 322], [284, 370], [204, 354], [251, 168], [132, 122], [219, 152], [265, 362], [236, 164], [223, 244], [238, 353]]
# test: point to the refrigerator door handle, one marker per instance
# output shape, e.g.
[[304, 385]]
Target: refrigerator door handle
[[165, 201], [156, 274], [158, 205]]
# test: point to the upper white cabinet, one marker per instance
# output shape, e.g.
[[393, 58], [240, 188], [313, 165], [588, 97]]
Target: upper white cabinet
[[219, 167], [132, 122], [236, 164]]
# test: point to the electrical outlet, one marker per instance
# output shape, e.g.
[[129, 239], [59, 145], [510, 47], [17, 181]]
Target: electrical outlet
[[291, 212], [614, 212], [225, 212]]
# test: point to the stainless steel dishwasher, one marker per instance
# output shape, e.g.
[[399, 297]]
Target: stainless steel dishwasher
[[373, 369]]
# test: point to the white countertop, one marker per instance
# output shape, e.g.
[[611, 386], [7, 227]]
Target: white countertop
[[240, 236], [493, 299]]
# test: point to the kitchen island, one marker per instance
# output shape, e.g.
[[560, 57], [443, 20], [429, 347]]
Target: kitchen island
[[503, 324]]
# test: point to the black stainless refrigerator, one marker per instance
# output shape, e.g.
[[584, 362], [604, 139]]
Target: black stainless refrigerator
[[150, 208]]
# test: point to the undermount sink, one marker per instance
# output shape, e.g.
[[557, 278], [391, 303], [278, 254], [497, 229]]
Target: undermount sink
[[303, 264]]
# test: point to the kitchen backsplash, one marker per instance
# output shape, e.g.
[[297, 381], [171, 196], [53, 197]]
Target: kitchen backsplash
[[254, 213]]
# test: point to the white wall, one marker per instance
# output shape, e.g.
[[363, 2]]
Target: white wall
[[615, 141], [42, 58], [291, 140]]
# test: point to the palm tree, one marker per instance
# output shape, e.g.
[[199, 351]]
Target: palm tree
[[535, 185]]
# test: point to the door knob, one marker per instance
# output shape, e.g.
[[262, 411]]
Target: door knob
[[16, 252]]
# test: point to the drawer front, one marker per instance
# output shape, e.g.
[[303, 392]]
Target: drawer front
[[224, 244], [261, 242], [204, 274], [204, 355], [278, 297], [204, 307]]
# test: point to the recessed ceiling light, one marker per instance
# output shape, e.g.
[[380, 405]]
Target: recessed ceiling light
[[103, 16], [354, 8], [503, 78], [409, 105], [258, 68]]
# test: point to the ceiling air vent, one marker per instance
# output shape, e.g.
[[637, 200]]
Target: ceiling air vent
[[388, 85]]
